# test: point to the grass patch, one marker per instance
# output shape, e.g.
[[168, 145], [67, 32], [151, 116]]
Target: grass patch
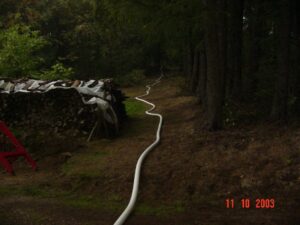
[[114, 203], [31, 191], [135, 108], [87, 164], [108, 203], [161, 210], [138, 121]]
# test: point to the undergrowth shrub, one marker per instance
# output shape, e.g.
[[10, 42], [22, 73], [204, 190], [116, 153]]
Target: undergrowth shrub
[[135, 77], [57, 71]]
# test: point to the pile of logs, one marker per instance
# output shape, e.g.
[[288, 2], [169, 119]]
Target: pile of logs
[[93, 107]]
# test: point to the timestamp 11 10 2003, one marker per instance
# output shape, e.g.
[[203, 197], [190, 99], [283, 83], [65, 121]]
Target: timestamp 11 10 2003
[[247, 203]]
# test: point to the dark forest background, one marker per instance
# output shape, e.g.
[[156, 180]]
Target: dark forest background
[[239, 57]]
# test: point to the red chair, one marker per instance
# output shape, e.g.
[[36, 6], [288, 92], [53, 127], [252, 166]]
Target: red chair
[[7, 156]]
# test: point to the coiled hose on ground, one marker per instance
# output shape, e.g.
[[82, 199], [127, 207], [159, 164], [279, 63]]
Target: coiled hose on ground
[[138, 167]]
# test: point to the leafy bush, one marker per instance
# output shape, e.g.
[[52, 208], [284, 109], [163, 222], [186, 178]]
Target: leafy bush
[[57, 71], [19, 47], [131, 79]]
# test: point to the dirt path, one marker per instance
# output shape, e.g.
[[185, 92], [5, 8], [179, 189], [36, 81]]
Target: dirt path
[[185, 181]]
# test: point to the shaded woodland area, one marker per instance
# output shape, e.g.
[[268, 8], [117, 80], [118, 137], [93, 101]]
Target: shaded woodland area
[[231, 52], [230, 66]]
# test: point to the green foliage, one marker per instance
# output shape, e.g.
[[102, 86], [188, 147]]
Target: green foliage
[[112, 38], [106, 37], [19, 48], [133, 78], [57, 72]]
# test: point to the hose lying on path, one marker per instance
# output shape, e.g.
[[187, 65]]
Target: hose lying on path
[[138, 167]]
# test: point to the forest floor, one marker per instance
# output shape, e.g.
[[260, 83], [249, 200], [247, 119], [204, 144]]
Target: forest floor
[[185, 180]]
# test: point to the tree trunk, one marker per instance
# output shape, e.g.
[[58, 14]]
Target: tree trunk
[[195, 72], [254, 13], [296, 53], [280, 106], [202, 80], [189, 56], [215, 40], [234, 51]]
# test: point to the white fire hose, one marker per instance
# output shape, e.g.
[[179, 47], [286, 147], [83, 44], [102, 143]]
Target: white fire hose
[[136, 181]]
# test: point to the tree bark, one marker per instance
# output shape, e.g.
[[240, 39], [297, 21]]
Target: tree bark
[[280, 100], [234, 51], [202, 80], [253, 34], [195, 72], [296, 53], [188, 61], [215, 40]]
